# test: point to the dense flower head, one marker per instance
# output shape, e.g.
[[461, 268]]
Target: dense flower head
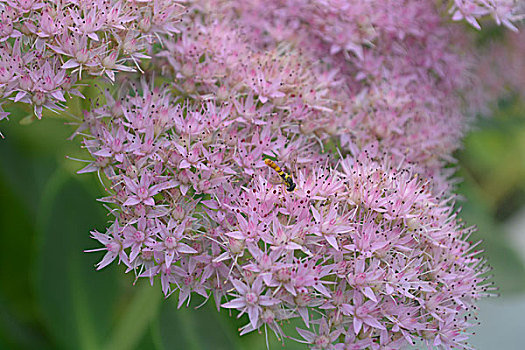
[[394, 72], [214, 62], [286, 158], [45, 45], [361, 251]]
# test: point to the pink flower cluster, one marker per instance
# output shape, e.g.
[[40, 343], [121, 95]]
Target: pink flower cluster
[[366, 251], [397, 74], [361, 102], [363, 253], [46, 44]]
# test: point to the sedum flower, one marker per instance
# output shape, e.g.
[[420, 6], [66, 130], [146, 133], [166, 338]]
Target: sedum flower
[[362, 252], [357, 102], [113, 245], [249, 300], [56, 40]]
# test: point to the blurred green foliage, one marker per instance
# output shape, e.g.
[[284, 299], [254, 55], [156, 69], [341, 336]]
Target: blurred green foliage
[[492, 166], [51, 297]]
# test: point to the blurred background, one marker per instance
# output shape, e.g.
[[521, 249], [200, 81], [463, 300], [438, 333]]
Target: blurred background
[[51, 297]]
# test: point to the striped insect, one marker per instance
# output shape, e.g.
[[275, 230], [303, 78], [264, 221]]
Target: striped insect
[[287, 179]]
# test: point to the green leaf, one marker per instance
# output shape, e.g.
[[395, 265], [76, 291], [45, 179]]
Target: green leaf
[[195, 329], [502, 256], [16, 331], [138, 315], [19, 231], [75, 300]]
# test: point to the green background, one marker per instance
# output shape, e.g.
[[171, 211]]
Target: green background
[[51, 297]]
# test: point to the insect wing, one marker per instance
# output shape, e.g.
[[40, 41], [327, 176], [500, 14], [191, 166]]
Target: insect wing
[[292, 161]]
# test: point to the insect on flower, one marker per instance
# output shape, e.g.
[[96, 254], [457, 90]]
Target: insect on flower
[[287, 179]]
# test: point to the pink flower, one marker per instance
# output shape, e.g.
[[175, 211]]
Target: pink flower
[[189, 283], [144, 190], [113, 245], [137, 237], [362, 117], [330, 224], [324, 339], [170, 240], [363, 313], [249, 300]]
